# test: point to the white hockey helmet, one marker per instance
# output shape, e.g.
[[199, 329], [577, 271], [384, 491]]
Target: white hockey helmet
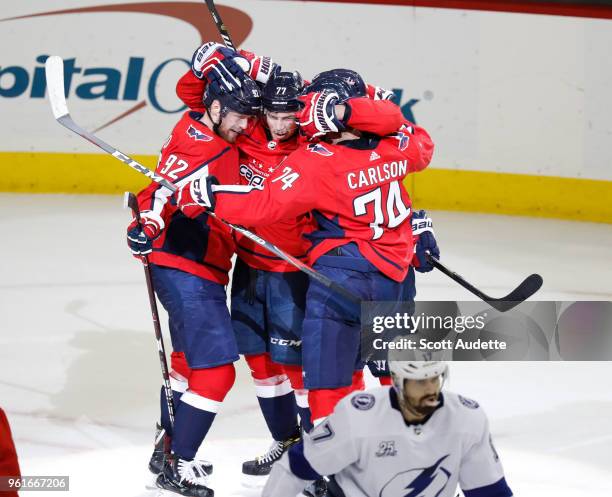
[[416, 370]]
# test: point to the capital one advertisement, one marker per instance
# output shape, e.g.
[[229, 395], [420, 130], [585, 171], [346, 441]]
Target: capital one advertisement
[[489, 96]]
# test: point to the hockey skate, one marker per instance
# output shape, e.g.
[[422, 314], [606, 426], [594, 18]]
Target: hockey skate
[[160, 450], [183, 477], [256, 470]]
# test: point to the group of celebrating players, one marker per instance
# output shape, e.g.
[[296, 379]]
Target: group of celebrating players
[[316, 168]]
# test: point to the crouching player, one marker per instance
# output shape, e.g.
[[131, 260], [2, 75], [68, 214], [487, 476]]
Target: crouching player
[[410, 439]]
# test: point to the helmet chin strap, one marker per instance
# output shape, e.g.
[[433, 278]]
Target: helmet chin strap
[[216, 125]]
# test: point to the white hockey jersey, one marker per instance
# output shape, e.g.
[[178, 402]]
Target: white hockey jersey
[[372, 452]]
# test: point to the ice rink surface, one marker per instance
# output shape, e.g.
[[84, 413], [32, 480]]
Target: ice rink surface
[[79, 375]]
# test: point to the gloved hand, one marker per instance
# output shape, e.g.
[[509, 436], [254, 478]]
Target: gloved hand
[[318, 116], [197, 197], [140, 236], [260, 67], [380, 93], [220, 65], [422, 230]]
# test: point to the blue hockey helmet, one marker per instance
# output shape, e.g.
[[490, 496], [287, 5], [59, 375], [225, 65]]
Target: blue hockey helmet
[[244, 100], [281, 92], [345, 82]]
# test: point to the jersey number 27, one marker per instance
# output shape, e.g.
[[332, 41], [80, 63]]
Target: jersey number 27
[[393, 206]]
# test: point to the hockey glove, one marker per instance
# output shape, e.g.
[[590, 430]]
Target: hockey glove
[[197, 197], [422, 230], [140, 236], [213, 62], [260, 67], [380, 93], [318, 116]]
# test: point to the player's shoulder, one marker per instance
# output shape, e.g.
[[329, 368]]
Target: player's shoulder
[[314, 151], [464, 410], [366, 402], [191, 132]]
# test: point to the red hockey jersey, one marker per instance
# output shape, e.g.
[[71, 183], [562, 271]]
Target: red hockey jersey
[[202, 246], [353, 188], [9, 465], [259, 159]]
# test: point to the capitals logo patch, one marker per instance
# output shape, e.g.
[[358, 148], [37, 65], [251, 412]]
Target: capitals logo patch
[[197, 135], [363, 401], [418, 482], [403, 137], [317, 148]]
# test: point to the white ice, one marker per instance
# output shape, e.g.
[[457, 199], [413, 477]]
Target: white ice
[[79, 376]]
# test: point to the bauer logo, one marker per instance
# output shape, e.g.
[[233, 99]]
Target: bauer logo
[[135, 74]]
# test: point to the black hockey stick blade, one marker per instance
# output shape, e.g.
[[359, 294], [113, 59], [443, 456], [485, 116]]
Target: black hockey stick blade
[[526, 289], [227, 39]]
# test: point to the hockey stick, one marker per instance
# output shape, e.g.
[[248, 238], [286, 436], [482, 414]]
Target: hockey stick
[[129, 201], [54, 69], [227, 39], [526, 289]]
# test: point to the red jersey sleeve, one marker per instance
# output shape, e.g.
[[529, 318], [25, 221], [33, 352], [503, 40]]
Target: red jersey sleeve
[[191, 90], [187, 153], [9, 466], [288, 193], [379, 117], [415, 144], [204, 246]]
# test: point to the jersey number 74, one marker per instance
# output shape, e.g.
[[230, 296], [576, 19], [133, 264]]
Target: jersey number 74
[[389, 212]]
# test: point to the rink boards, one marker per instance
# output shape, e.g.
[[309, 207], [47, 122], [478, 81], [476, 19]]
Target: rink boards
[[517, 103]]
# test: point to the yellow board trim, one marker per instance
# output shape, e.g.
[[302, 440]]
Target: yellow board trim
[[443, 189], [23, 172], [513, 194]]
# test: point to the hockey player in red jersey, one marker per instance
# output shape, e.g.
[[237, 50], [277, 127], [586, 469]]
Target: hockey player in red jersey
[[352, 183], [9, 465], [268, 295], [190, 258]]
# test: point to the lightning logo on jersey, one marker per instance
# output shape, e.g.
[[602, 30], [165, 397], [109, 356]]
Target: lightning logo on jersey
[[418, 482]]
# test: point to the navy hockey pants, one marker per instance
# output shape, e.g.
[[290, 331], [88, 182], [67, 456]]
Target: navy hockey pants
[[200, 324]]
